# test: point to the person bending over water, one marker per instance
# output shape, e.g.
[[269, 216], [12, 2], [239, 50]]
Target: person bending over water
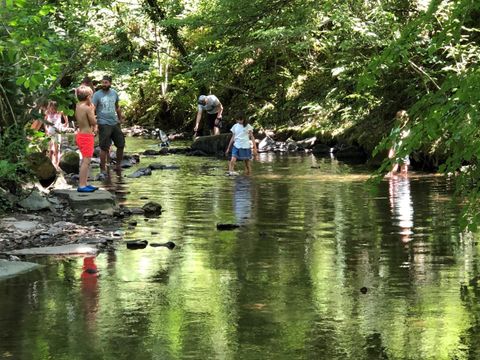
[[242, 134], [85, 137]]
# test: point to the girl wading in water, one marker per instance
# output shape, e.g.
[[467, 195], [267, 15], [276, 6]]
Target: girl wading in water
[[242, 134]]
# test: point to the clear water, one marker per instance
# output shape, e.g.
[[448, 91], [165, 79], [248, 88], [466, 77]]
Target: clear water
[[286, 285]]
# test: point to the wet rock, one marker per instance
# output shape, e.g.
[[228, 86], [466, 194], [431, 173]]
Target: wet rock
[[144, 197], [12, 268], [307, 143], [71, 249], [137, 244], [210, 145], [267, 144], [169, 244], [137, 211], [198, 153], [152, 209], [70, 162], [156, 166], [132, 223], [42, 168], [141, 172], [151, 152], [322, 149], [99, 200], [179, 150], [227, 226], [364, 290]]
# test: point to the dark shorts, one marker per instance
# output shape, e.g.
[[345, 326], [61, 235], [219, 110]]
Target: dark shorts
[[242, 154], [211, 121], [108, 134]]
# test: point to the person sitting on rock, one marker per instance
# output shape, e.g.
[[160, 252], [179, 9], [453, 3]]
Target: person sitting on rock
[[85, 137], [214, 109]]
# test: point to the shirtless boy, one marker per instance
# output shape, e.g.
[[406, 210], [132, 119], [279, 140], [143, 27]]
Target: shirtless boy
[[85, 137]]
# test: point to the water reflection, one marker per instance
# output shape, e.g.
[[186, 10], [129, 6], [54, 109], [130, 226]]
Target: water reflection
[[90, 291], [286, 285], [401, 206], [242, 199]]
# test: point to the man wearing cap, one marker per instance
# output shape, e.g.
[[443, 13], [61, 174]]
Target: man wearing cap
[[214, 109], [109, 118]]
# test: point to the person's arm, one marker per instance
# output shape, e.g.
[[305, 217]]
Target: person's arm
[[197, 120], [91, 119], [229, 144], [119, 113], [220, 110]]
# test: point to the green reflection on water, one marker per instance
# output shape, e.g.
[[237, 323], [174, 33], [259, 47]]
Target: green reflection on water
[[286, 285]]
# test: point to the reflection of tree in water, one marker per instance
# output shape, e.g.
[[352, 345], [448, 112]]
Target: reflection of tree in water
[[401, 206], [242, 199]]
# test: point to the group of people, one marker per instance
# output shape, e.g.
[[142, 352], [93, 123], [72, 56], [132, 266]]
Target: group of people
[[242, 141], [100, 113]]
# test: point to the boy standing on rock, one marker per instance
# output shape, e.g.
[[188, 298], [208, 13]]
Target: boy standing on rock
[[85, 137]]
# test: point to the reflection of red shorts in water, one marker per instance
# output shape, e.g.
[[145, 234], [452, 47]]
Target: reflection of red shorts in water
[[85, 143]]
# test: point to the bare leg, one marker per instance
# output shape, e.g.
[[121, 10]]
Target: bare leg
[[84, 167], [103, 160], [394, 170], [119, 159], [231, 164], [216, 130], [248, 167], [404, 170]]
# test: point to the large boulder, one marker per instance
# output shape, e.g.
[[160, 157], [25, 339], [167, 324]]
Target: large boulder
[[42, 168], [70, 162], [212, 145]]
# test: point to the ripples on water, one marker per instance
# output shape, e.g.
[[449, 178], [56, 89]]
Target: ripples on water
[[286, 285]]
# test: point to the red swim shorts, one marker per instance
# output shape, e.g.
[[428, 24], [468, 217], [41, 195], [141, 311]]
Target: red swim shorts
[[85, 143]]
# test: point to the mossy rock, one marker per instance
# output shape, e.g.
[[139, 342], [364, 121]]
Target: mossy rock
[[212, 145], [42, 167], [70, 162]]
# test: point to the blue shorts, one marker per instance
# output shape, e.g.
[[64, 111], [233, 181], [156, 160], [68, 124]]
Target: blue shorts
[[242, 154]]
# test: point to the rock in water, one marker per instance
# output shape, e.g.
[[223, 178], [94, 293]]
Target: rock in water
[[169, 244], [70, 162], [141, 172], [227, 226], [152, 209], [137, 244], [42, 168]]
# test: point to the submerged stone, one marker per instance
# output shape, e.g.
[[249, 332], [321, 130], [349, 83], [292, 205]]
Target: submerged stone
[[137, 244], [12, 268], [72, 249], [152, 209], [227, 226], [169, 244]]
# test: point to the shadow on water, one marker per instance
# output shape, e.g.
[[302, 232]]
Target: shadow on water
[[320, 268]]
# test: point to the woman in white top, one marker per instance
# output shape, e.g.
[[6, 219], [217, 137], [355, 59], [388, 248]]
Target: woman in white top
[[55, 124], [242, 141]]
